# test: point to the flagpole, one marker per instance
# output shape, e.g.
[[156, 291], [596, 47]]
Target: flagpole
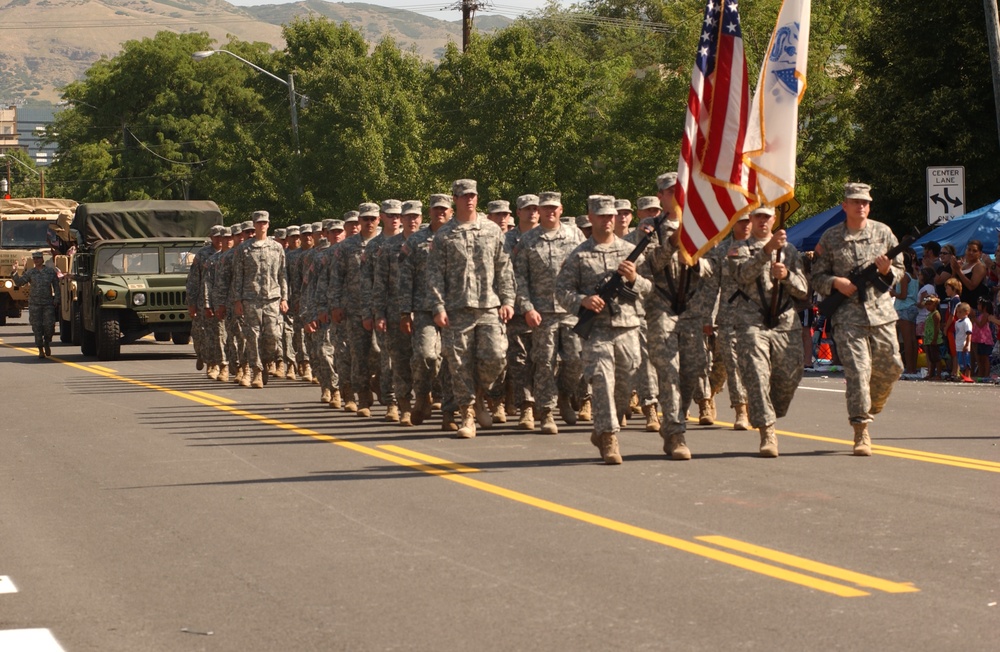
[[993, 35]]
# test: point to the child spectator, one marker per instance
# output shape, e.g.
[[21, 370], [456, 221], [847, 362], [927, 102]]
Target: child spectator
[[952, 288], [926, 289], [982, 337], [933, 337], [963, 341]]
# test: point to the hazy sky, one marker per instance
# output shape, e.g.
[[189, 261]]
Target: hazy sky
[[509, 8]]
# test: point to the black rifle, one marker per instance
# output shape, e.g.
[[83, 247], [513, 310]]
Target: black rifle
[[862, 277], [613, 287]]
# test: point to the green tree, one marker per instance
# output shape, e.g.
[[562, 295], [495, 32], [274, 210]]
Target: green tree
[[25, 178]]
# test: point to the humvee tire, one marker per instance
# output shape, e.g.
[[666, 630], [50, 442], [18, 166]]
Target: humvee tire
[[109, 336], [88, 342], [161, 337], [65, 332], [181, 338]]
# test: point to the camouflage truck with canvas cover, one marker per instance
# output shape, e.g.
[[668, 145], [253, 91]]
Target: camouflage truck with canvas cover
[[25, 226], [131, 270]]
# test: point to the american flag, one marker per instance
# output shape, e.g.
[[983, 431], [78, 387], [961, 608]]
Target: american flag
[[713, 183]]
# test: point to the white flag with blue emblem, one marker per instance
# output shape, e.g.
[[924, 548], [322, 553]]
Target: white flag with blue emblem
[[772, 134]]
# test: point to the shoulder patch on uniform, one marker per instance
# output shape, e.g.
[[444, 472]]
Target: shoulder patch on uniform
[[733, 252]]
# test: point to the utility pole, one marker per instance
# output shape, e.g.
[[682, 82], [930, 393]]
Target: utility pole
[[468, 9], [993, 34]]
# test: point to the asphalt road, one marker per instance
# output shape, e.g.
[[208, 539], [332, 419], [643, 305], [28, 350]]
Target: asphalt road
[[144, 507]]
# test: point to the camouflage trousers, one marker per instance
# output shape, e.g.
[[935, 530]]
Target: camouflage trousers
[[426, 363], [400, 352], [262, 332], [646, 383], [287, 335], [214, 352], [870, 355], [200, 335], [475, 346], [771, 363], [681, 358], [341, 353], [387, 392], [298, 341], [235, 342], [359, 341], [520, 367], [320, 350], [555, 354], [611, 360], [42, 318], [725, 367]]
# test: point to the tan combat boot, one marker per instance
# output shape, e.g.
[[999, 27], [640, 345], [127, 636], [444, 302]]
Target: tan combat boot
[[566, 411], [468, 415], [223, 374], [482, 413], [862, 440], [500, 413], [549, 426], [652, 418], [609, 449], [365, 403], [448, 421], [527, 421], [676, 447], [392, 413], [290, 371], [325, 396], [279, 369], [405, 414], [350, 405], [245, 377], [257, 380], [706, 412], [238, 376], [199, 364], [634, 404], [271, 368], [336, 400], [586, 412], [768, 441], [306, 372], [421, 407], [742, 420], [213, 372]]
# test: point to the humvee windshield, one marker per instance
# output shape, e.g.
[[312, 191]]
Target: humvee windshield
[[24, 234], [145, 260]]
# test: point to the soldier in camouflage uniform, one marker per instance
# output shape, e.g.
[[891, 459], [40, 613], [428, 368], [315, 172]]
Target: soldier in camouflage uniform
[[555, 348], [242, 376], [315, 334], [261, 296], [520, 371], [416, 305], [390, 214], [611, 354], [42, 300], [768, 334], [294, 272], [864, 325], [386, 309], [725, 368], [195, 300], [215, 346], [338, 333], [222, 305], [473, 286], [289, 240], [344, 297], [498, 212]]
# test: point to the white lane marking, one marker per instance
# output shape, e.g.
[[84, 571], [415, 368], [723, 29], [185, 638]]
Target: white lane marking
[[823, 389], [29, 640], [6, 585]]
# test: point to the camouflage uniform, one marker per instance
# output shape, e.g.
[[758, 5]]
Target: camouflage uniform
[[682, 302], [215, 353], [42, 299], [319, 348], [864, 325], [386, 305], [770, 348], [647, 382], [725, 356], [222, 296], [520, 369], [259, 282], [345, 293], [470, 277], [294, 275], [537, 259], [611, 355], [382, 357], [195, 283]]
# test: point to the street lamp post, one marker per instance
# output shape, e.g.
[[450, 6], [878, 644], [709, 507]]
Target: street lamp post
[[37, 173], [292, 95]]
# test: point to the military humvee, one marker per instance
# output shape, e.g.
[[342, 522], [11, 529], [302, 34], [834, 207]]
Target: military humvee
[[131, 270]]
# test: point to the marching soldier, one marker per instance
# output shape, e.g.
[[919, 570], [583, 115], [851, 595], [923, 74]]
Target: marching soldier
[[215, 345], [42, 300], [291, 244], [196, 302], [520, 372]]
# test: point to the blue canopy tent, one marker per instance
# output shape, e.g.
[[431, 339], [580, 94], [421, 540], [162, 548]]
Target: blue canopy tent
[[981, 224], [806, 234]]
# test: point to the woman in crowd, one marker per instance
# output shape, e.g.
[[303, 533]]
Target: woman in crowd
[[905, 295], [971, 271]]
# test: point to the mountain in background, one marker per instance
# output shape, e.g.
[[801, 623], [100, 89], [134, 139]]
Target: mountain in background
[[49, 43]]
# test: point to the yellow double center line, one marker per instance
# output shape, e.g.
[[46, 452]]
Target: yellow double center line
[[792, 568]]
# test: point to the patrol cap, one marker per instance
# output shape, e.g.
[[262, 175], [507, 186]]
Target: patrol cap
[[247, 225], [413, 207], [623, 205], [763, 210], [261, 216], [550, 199], [328, 224], [498, 206], [305, 228], [292, 231], [566, 219], [236, 229], [440, 201], [336, 225], [857, 191], [227, 232], [216, 230], [280, 234], [368, 209], [527, 200], [601, 205], [392, 207], [464, 187], [317, 227], [583, 222], [648, 202], [350, 216], [37, 254], [666, 181]]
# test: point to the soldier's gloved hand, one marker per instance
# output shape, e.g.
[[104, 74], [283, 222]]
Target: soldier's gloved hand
[[533, 319], [368, 324], [506, 313], [406, 325]]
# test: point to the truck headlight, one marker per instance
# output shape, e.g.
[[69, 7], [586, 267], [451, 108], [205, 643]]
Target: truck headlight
[[8, 284], [139, 299]]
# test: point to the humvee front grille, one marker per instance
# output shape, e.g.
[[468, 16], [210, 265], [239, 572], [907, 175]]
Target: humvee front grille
[[176, 299]]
